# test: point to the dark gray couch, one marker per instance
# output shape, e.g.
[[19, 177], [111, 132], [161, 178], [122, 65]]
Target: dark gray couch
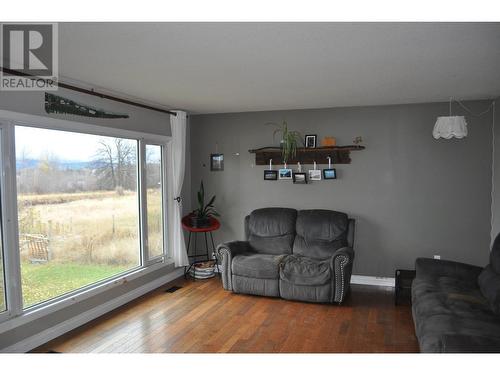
[[299, 255], [456, 306]]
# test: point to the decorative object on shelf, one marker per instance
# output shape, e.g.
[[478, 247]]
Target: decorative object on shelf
[[290, 140], [340, 154], [314, 174], [329, 173], [285, 173], [329, 142], [299, 178], [310, 141], [216, 162], [270, 175], [200, 218], [358, 140]]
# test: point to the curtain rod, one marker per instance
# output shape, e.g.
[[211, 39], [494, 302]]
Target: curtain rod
[[91, 92]]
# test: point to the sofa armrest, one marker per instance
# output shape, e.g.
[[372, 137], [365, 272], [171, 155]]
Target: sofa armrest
[[427, 267], [226, 252], [341, 264]]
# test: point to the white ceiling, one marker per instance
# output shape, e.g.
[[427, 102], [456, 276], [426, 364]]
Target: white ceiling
[[233, 67]]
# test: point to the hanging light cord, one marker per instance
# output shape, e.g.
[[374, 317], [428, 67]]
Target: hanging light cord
[[491, 106]]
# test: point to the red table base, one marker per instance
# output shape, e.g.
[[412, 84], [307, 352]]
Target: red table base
[[214, 225]]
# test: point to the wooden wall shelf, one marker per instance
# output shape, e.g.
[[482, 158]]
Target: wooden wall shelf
[[339, 155]]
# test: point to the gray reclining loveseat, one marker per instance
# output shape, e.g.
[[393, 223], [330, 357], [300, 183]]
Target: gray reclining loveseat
[[302, 255], [456, 306]]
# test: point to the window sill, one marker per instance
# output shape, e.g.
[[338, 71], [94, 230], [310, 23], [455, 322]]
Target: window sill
[[49, 307]]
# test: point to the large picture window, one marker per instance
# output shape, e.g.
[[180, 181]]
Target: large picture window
[[78, 210], [154, 167]]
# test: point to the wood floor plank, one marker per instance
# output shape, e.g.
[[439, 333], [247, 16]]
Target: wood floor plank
[[201, 317]]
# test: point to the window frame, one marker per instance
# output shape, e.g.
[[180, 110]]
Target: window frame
[[15, 312]]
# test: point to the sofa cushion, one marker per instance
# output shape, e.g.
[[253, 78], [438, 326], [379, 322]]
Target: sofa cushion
[[271, 230], [260, 287], [307, 293], [301, 270], [434, 331], [259, 266], [489, 283], [320, 233]]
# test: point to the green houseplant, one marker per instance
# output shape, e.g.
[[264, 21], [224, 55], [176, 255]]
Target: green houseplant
[[200, 217], [290, 140]]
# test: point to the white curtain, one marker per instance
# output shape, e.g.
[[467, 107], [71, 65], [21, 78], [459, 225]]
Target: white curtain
[[178, 126]]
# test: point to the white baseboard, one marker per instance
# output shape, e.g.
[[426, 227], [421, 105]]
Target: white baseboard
[[373, 280], [45, 336]]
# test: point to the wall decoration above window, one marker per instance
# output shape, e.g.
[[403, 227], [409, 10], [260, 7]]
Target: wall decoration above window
[[59, 105]]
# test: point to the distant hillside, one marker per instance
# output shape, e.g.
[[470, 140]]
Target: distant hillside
[[65, 164]]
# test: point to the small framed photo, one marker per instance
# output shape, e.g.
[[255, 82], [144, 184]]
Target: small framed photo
[[216, 162], [329, 174], [300, 178], [310, 141], [285, 174], [270, 175], [315, 174]]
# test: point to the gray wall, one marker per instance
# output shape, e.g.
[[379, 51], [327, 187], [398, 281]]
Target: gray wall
[[495, 192], [140, 120], [411, 195]]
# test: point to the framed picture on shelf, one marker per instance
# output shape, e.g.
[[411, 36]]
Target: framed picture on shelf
[[216, 162], [300, 178], [315, 174], [310, 141], [270, 175], [329, 174], [285, 174]]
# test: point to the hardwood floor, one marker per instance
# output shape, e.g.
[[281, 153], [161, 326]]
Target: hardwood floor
[[202, 317]]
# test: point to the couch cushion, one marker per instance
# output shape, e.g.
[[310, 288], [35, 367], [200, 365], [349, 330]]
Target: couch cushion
[[271, 230], [320, 233], [434, 331], [489, 283], [260, 287], [301, 270], [260, 266]]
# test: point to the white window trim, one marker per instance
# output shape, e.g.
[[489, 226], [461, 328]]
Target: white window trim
[[15, 315]]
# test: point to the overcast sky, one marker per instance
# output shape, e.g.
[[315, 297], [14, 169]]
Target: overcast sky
[[66, 146]]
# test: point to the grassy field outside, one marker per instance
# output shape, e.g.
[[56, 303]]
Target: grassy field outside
[[89, 237], [41, 282]]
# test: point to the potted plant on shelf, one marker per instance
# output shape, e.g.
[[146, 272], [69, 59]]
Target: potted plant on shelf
[[200, 218], [290, 140]]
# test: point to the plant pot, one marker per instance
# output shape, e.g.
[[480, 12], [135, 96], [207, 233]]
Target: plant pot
[[198, 222]]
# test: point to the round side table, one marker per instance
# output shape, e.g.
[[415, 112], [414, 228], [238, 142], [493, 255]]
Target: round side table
[[214, 224]]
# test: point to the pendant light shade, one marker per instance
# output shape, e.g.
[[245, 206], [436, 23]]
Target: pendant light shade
[[450, 126]]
